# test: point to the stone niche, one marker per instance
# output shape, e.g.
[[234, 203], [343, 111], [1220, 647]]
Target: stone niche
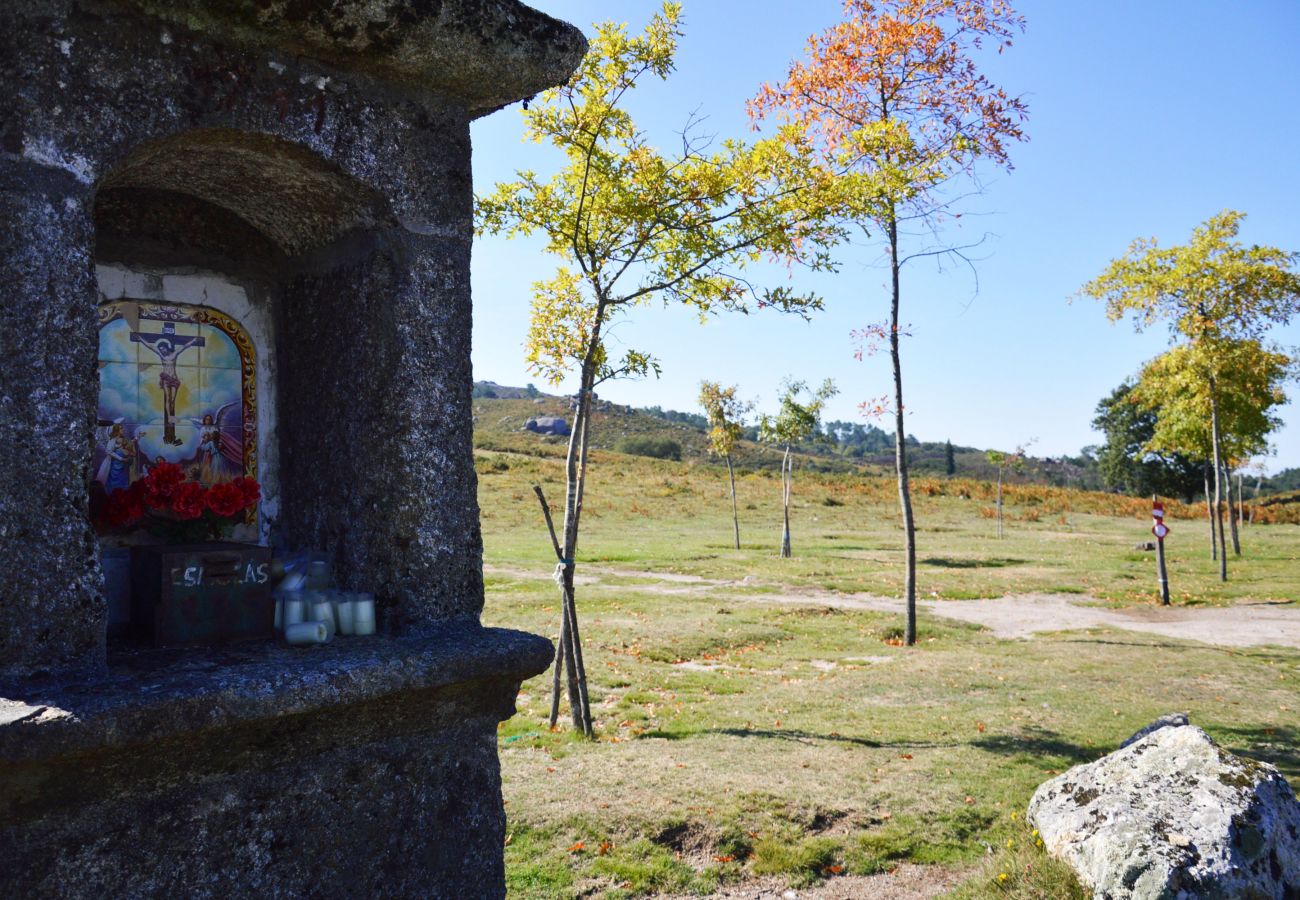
[[290, 183]]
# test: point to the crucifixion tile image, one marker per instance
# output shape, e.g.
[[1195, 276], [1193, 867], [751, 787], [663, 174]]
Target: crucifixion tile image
[[176, 384], [169, 346]]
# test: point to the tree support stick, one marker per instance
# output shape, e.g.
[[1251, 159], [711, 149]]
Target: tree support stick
[[568, 652]]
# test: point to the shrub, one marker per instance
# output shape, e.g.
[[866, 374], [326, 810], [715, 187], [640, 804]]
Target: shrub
[[656, 448]]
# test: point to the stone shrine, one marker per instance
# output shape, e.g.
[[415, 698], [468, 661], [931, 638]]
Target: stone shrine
[[237, 238]]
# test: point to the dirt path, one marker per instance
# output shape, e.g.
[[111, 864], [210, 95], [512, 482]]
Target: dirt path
[[1014, 616], [906, 882]]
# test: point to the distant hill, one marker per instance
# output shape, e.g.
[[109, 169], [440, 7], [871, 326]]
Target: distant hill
[[500, 412]]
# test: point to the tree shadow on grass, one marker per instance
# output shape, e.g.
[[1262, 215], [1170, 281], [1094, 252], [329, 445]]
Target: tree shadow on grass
[[1277, 745], [798, 736], [1037, 743], [945, 562]]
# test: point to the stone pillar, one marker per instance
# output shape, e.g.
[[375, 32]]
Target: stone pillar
[[52, 613], [376, 428]]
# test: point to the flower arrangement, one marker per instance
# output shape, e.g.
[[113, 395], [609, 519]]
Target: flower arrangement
[[174, 507]]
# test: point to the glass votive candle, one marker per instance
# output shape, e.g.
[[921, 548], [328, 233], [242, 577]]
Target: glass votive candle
[[295, 611], [363, 614], [322, 610], [307, 633], [344, 603]]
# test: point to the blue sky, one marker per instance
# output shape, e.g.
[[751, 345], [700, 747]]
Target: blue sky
[[1145, 119]]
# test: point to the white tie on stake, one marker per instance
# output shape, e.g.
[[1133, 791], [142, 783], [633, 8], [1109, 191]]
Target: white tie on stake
[[1159, 529]]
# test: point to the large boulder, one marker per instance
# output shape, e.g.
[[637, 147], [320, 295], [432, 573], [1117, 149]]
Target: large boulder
[[548, 425], [1173, 816]]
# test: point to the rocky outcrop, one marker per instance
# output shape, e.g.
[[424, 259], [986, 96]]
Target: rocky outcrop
[[548, 425], [1173, 816]]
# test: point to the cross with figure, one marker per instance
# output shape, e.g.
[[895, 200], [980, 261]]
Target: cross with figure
[[169, 345]]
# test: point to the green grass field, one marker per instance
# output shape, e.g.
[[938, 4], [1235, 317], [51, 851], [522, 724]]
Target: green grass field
[[742, 737]]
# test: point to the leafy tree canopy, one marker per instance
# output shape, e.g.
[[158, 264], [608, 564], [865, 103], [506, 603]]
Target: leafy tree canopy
[[726, 413], [798, 419], [632, 224], [1212, 287], [1175, 387]]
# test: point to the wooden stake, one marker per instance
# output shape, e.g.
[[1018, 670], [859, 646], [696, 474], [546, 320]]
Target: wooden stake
[[1160, 564], [568, 650]]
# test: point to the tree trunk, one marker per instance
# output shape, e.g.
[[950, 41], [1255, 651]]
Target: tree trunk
[[787, 479], [1233, 511], [900, 447], [1218, 481], [575, 473], [1209, 515], [999, 502], [735, 516], [1241, 499]]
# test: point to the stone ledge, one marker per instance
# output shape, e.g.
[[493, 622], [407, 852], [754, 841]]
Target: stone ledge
[[485, 53], [151, 695]]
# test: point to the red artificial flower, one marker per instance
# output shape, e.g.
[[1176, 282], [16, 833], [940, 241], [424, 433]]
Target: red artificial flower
[[161, 483], [121, 509], [188, 500], [225, 500], [249, 488]]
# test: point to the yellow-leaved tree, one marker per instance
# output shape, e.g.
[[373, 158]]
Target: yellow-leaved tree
[[1213, 292], [726, 413], [633, 226]]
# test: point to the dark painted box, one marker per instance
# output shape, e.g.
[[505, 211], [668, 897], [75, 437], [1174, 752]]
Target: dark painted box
[[201, 593]]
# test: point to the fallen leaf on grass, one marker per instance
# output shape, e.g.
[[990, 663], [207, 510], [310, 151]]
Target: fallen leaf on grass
[[725, 859], [969, 799], [835, 870], [906, 756], [605, 847], [578, 847]]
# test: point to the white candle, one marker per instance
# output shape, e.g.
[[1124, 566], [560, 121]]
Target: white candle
[[363, 614], [322, 611], [343, 612], [307, 633], [295, 612]]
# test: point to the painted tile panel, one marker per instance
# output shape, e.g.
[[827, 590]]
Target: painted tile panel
[[173, 386]]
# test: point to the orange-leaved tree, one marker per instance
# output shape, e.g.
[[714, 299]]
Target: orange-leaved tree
[[893, 91]]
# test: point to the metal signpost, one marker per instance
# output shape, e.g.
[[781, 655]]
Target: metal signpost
[[1160, 530]]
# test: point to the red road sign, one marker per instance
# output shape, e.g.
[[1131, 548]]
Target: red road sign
[[1157, 510], [1160, 529]]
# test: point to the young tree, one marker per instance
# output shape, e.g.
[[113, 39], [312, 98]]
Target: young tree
[[726, 413], [894, 91], [1220, 391], [632, 226], [1211, 291], [796, 421], [949, 460], [1003, 461]]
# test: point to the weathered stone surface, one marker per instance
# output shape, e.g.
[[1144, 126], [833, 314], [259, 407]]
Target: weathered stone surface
[[51, 588], [216, 135], [1176, 720], [366, 767], [1174, 817], [317, 155], [486, 52]]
